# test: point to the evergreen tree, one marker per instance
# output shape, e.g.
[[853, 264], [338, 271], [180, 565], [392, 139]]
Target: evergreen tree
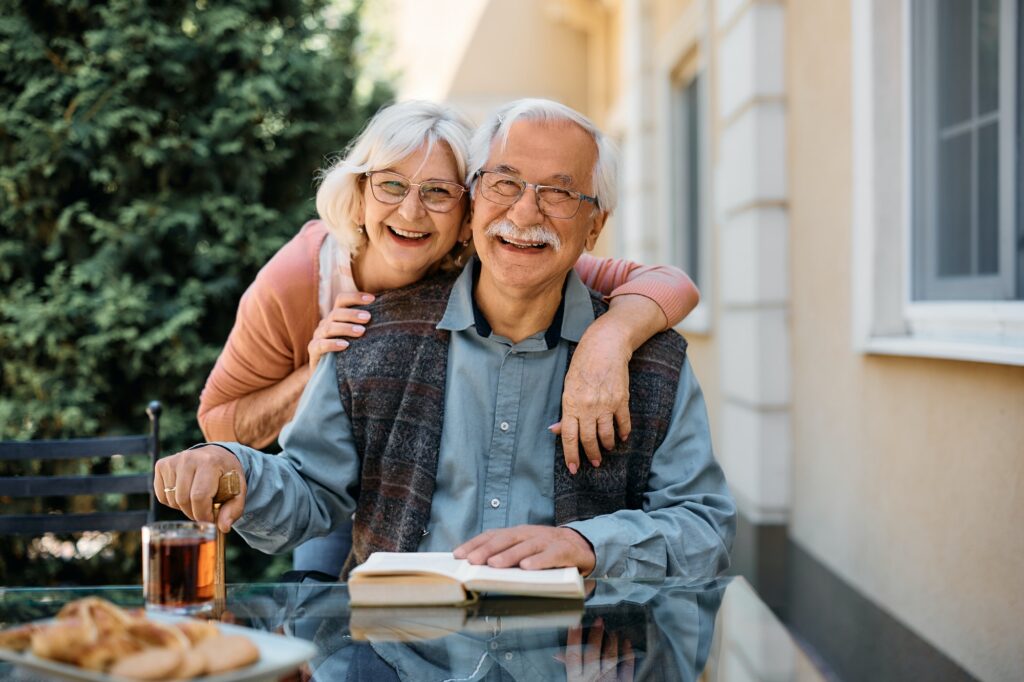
[[153, 155]]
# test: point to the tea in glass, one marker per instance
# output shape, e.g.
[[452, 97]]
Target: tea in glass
[[178, 565]]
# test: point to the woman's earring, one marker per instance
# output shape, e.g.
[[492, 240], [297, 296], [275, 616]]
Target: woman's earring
[[461, 258], [361, 230]]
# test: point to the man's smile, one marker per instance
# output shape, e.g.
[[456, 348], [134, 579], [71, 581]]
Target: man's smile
[[523, 246]]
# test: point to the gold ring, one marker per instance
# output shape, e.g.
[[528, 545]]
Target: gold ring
[[169, 490]]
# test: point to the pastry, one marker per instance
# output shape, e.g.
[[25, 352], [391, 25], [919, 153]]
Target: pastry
[[227, 652], [97, 635], [148, 664], [18, 638]]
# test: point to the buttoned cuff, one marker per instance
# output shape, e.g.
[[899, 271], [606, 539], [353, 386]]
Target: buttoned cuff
[[607, 544], [618, 552]]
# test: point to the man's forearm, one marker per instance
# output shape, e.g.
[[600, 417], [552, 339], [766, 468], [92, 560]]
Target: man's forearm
[[260, 416], [307, 489]]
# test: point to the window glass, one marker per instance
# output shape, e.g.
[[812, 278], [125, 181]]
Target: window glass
[[988, 199], [954, 216], [954, 87], [689, 133], [964, 122]]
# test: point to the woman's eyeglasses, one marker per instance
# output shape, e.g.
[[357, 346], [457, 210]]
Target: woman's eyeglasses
[[439, 196]]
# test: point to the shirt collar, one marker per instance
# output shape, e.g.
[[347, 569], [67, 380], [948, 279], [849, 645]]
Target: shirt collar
[[574, 314]]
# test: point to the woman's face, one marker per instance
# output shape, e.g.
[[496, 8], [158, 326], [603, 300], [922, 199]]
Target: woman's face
[[405, 240]]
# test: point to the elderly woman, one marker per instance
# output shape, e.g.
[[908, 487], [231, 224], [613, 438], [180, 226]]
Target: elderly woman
[[392, 210]]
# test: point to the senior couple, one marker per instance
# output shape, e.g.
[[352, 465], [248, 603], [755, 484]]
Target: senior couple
[[438, 426]]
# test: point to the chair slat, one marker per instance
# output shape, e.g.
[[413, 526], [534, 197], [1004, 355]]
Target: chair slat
[[53, 486], [75, 448], [37, 524]]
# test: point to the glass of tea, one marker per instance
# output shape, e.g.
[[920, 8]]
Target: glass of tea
[[178, 565]]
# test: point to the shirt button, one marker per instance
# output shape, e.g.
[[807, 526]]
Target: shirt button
[[495, 502], [503, 426], [494, 645], [509, 656]]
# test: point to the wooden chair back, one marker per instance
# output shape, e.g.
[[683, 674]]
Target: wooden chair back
[[21, 487]]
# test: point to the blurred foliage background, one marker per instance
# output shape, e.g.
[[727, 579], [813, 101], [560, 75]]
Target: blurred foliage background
[[153, 155]]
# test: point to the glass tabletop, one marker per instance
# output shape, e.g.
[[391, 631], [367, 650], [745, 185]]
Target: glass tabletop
[[624, 630]]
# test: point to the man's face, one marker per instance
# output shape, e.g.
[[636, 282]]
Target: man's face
[[559, 154]]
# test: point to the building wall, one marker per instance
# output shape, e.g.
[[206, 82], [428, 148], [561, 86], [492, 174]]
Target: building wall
[[478, 54], [905, 476], [908, 474]]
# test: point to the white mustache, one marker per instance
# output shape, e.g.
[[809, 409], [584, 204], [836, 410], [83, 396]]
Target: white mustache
[[534, 234]]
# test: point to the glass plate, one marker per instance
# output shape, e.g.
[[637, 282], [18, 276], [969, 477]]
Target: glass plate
[[279, 655]]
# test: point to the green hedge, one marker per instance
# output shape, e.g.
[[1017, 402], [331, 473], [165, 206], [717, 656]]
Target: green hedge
[[153, 155]]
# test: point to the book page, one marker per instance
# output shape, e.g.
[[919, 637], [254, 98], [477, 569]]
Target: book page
[[394, 563], [552, 581], [548, 576]]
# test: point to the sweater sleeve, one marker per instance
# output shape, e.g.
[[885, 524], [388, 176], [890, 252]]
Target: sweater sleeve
[[276, 319], [669, 287]]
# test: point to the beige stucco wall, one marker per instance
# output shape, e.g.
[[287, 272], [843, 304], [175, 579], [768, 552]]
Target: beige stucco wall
[[477, 54], [908, 474]]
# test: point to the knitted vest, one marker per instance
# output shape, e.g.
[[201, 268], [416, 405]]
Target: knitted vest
[[392, 384]]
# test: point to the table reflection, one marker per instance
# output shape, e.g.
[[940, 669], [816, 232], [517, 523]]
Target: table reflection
[[624, 630]]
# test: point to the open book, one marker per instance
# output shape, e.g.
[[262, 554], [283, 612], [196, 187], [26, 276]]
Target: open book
[[393, 578]]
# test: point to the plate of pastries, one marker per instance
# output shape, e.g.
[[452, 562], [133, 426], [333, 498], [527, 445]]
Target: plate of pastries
[[93, 639]]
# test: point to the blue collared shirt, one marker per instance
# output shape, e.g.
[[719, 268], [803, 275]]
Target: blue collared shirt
[[495, 462]]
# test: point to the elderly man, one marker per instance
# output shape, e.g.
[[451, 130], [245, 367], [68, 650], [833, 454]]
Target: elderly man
[[433, 428]]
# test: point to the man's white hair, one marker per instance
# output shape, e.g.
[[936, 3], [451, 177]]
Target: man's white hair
[[499, 124], [394, 133]]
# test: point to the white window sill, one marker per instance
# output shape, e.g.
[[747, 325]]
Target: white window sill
[[979, 350]]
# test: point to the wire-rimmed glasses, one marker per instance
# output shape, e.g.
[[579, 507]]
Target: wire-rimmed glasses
[[555, 202], [439, 196]]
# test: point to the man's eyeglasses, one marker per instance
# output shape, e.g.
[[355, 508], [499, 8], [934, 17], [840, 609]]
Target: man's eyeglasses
[[439, 196], [555, 202]]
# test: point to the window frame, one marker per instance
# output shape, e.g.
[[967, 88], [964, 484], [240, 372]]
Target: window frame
[[919, 41], [886, 319], [687, 70], [680, 237]]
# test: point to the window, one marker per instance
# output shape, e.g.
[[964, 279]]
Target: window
[[938, 231], [965, 151], [686, 189], [688, 177]]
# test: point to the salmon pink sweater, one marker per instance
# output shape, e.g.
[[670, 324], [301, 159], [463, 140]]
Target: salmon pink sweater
[[279, 312]]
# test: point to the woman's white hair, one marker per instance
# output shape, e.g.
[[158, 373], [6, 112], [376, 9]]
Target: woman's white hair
[[499, 124], [394, 133]]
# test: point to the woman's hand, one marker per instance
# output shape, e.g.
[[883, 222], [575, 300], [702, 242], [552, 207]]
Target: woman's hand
[[188, 481], [596, 395], [341, 322]]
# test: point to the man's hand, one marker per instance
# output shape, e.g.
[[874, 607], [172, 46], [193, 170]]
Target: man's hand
[[188, 481], [606, 657], [529, 547]]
